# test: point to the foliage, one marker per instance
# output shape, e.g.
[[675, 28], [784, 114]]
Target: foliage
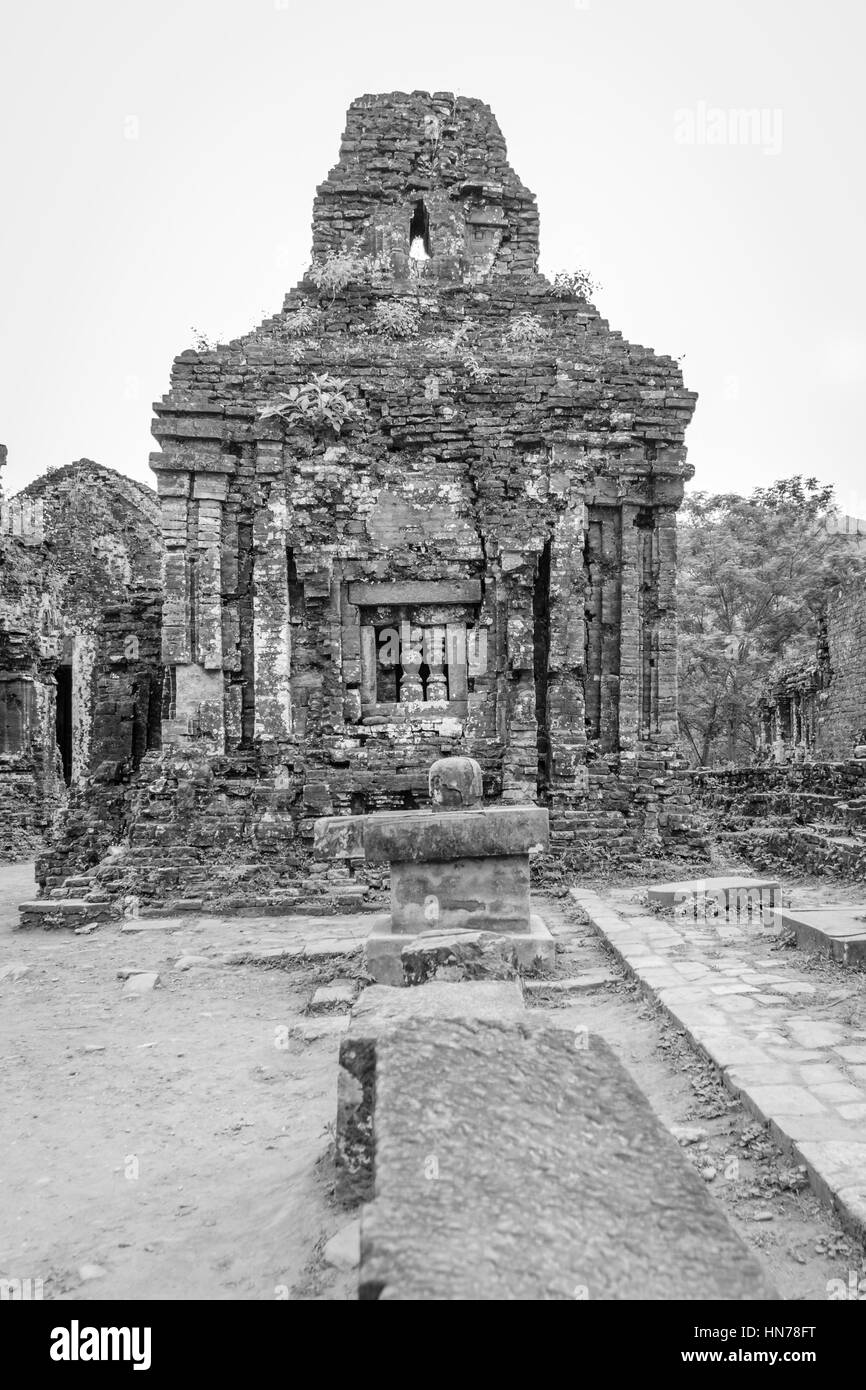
[[396, 319], [338, 269], [525, 331], [473, 368], [573, 284], [321, 403], [755, 575], [299, 322], [203, 342]]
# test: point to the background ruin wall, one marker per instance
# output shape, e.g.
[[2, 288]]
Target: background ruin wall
[[74, 543]]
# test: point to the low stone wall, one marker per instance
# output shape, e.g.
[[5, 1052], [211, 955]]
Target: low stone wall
[[811, 816]]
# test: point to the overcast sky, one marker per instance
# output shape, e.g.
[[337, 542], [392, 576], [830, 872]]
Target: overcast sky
[[159, 162]]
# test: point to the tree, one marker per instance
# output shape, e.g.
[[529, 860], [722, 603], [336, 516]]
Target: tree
[[755, 576]]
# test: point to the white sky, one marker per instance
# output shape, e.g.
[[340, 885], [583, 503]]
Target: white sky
[[744, 257]]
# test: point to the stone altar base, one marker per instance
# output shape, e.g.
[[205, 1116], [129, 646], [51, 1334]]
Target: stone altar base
[[386, 950]]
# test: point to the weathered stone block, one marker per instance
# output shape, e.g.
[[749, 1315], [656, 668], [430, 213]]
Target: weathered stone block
[[512, 1164]]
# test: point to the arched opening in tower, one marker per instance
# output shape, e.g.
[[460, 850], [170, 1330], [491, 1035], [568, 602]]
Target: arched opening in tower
[[419, 233]]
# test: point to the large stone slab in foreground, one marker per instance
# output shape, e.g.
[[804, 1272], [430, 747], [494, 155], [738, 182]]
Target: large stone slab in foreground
[[379, 1010], [839, 932], [514, 1163]]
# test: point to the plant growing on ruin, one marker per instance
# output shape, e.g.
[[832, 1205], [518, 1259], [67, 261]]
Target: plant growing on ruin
[[321, 403], [395, 319], [573, 284], [525, 331], [474, 370], [338, 269], [203, 342], [298, 322]]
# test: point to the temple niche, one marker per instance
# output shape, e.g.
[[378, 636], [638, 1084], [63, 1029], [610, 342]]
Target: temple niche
[[427, 509]]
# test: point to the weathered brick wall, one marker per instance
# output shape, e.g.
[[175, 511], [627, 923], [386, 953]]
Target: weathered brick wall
[[842, 716], [97, 539], [504, 442], [810, 816]]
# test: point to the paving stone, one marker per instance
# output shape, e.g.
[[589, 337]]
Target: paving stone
[[736, 1004], [852, 1054], [811, 1033], [140, 983], [324, 950], [819, 1073], [785, 1100], [325, 1026], [339, 994], [154, 924], [343, 1250], [838, 1092], [498, 1150]]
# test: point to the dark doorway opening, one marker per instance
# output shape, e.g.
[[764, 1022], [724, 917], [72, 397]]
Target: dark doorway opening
[[63, 719], [419, 227]]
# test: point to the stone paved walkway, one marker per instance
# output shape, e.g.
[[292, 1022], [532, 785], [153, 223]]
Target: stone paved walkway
[[780, 1040]]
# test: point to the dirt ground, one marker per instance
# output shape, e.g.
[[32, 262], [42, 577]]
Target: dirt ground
[[181, 1142], [178, 1141]]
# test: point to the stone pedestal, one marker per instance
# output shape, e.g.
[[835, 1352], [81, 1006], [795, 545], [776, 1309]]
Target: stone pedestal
[[458, 868]]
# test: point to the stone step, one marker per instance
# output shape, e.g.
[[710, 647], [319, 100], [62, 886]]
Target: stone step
[[66, 912], [835, 931]]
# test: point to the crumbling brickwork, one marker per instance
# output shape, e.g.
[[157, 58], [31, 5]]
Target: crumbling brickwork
[[74, 543], [818, 711], [429, 508], [810, 816]]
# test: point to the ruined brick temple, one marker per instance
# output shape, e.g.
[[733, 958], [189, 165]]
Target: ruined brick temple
[[80, 665], [428, 508]]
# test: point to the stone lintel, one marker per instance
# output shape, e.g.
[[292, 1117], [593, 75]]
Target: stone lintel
[[488, 831], [412, 591]]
